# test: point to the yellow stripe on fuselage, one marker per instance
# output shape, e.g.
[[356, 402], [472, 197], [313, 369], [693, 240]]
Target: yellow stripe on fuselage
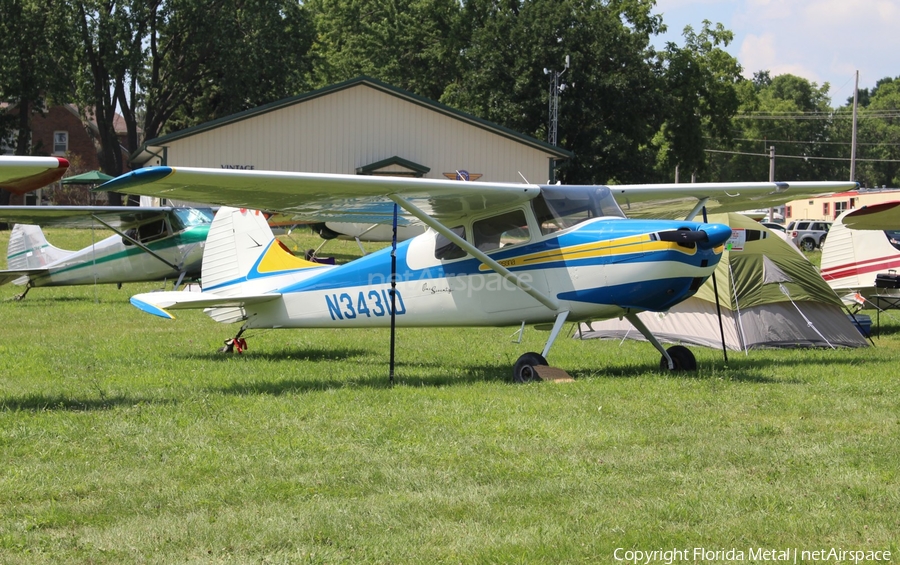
[[278, 258], [621, 246]]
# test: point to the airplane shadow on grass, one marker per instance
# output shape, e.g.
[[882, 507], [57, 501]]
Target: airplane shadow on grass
[[57, 403], [428, 374], [403, 377]]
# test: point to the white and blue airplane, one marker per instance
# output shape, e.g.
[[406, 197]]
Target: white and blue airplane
[[495, 254], [23, 174], [150, 244]]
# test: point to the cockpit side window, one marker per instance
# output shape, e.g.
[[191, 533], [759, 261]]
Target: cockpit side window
[[561, 207], [183, 218], [444, 249], [510, 228], [151, 231], [893, 238]]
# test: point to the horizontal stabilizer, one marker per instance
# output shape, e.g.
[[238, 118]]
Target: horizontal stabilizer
[[157, 303], [11, 275]]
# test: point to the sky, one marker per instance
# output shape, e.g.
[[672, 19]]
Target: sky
[[819, 40]]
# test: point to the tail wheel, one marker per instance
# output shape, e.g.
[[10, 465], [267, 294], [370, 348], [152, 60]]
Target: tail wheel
[[523, 370], [682, 359]]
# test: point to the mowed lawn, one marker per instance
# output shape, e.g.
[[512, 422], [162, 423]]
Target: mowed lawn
[[126, 439]]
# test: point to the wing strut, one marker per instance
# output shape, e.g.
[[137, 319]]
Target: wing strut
[[701, 204], [139, 245], [547, 301]]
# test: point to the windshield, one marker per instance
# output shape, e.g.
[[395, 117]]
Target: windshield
[[186, 217], [561, 207]]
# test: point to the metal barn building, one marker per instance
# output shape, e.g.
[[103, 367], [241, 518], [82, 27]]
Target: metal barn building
[[360, 126]]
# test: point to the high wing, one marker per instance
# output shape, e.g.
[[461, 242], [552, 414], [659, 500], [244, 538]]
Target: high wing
[[322, 196], [117, 217], [681, 200], [884, 216], [24, 174], [365, 199]]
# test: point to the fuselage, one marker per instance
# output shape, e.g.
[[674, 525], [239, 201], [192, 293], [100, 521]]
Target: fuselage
[[851, 258], [599, 268], [115, 260], [157, 246]]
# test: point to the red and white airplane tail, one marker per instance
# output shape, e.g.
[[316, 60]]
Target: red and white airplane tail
[[861, 244]]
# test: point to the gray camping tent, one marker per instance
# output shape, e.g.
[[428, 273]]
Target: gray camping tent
[[770, 296]]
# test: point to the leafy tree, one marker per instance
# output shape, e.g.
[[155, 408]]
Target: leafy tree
[[112, 33], [878, 134], [411, 44], [701, 84], [210, 61], [610, 106], [793, 115], [35, 43], [181, 62]]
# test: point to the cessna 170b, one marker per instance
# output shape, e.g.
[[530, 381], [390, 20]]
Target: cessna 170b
[[496, 254], [150, 244]]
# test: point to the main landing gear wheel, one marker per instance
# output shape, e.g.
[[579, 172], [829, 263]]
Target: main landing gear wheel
[[523, 370], [682, 359], [235, 344]]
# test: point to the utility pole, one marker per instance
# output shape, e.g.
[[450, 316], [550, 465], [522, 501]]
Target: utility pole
[[554, 101], [772, 177], [772, 163], [853, 135]]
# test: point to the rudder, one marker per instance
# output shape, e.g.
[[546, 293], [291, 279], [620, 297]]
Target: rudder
[[28, 248], [237, 238]]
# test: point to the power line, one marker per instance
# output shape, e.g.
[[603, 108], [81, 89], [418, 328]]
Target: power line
[[802, 141], [887, 114], [804, 157]]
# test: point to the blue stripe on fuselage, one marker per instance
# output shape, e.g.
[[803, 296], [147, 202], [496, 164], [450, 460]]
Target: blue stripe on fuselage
[[375, 267]]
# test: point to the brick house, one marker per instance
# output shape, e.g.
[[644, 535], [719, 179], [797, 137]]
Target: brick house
[[62, 133]]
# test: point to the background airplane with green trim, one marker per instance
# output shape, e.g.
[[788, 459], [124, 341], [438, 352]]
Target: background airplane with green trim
[[150, 244], [494, 254]]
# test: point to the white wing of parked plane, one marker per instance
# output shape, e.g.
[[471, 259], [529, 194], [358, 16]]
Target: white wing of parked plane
[[884, 216], [24, 174]]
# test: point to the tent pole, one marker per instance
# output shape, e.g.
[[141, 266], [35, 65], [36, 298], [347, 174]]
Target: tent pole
[[718, 307]]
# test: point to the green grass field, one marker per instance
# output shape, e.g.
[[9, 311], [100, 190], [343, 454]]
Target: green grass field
[[126, 439]]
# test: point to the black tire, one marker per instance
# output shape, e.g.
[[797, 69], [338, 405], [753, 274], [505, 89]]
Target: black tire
[[682, 359], [822, 242], [807, 244], [523, 370]]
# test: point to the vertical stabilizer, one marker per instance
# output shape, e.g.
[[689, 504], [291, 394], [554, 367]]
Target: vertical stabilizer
[[29, 249], [237, 238]]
